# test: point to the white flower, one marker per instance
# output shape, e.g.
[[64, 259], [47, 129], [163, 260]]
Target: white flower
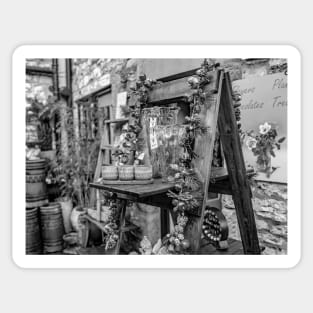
[[251, 143], [181, 237], [265, 128]]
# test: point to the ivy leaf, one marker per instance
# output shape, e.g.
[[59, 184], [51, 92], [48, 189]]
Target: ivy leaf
[[280, 140], [272, 153]]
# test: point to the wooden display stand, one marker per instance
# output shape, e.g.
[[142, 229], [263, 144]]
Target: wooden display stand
[[218, 112]]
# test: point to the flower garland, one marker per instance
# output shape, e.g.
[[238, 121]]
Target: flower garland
[[112, 228], [185, 177], [236, 96], [130, 143]]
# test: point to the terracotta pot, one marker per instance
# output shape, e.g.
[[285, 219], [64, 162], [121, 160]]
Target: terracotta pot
[[109, 172], [126, 172], [36, 188], [67, 207], [33, 240], [71, 238], [143, 172], [52, 228], [49, 155]]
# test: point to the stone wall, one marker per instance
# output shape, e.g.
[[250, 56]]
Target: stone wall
[[269, 199], [43, 63], [38, 88], [90, 75], [270, 211]]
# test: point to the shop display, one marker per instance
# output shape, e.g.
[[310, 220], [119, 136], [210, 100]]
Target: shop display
[[152, 162]]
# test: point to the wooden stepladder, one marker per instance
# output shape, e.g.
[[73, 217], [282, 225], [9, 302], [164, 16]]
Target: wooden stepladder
[[218, 113]]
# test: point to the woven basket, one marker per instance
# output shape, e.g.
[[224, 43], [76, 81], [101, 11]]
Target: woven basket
[[143, 172], [109, 172], [126, 172]]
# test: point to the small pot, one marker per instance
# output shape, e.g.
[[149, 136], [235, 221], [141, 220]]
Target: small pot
[[143, 172], [109, 172], [126, 172], [67, 207], [71, 238]]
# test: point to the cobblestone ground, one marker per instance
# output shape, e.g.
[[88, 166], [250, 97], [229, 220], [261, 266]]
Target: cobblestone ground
[[270, 209]]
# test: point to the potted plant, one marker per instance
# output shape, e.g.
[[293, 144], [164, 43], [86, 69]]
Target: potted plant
[[73, 170], [263, 146]]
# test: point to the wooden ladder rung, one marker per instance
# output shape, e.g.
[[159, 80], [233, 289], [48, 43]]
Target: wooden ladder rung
[[108, 147], [120, 120]]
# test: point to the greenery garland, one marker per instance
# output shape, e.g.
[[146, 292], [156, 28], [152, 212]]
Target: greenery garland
[[130, 144], [130, 141], [185, 177]]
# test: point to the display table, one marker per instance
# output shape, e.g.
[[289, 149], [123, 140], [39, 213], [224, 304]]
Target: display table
[[151, 194], [155, 194]]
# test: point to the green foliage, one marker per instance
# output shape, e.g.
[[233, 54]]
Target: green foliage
[[139, 96], [185, 176], [75, 164]]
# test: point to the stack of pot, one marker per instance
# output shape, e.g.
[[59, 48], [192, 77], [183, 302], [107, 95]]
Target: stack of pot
[[36, 196], [52, 228], [36, 188]]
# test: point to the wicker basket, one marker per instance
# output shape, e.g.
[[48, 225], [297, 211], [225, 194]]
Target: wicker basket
[[143, 172], [110, 172], [126, 172]]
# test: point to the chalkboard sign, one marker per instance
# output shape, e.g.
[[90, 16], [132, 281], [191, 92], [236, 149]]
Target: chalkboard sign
[[264, 99]]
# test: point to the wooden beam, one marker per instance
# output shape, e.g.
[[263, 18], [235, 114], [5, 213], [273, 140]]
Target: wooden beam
[[239, 183], [40, 71], [169, 90]]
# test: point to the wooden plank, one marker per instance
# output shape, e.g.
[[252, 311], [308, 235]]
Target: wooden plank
[[235, 248], [127, 182], [122, 206], [237, 172], [204, 149], [120, 120], [169, 90], [138, 191], [101, 225], [100, 161]]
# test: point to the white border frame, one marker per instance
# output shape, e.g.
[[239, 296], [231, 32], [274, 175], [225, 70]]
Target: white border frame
[[160, 261]]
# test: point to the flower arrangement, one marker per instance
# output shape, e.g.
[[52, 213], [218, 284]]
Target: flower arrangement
[[263, 145]]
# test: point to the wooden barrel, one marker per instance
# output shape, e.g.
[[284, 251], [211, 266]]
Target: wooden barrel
[[33, 240], [36, 188], [52, 228]]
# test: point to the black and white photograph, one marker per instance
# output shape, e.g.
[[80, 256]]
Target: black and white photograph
[[148, 156], [156, 156]]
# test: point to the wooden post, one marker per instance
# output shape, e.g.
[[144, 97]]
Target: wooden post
[[239, 183]]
